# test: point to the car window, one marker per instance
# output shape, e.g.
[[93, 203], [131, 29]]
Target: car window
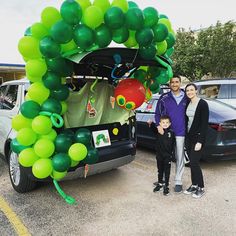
[[3, 90], [233, 90], [224, 91], [148, 107], [209, 91], [9, 100]]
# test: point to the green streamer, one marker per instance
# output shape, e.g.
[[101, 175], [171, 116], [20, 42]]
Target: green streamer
[[56, 119], [169, 69]]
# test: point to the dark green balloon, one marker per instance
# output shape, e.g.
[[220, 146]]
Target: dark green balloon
[[140, 75], [148, 52], [134, 19], [163, 77], [160, 32], [169, 51], [114, 18], [49, 48], [69, 133], [52, 105], [120, 35], [71, 12], [163, 16], [61, 94], [60, 66], [30, 109], [63, 143], [84, 136], [51, 80], [103, 36], [154, 86], [144, 37], [62, 32], [16, 147], [170, 40], [154, 71], [150, 16], [61, 162], [92, 156], [84, 36], [132, 4]]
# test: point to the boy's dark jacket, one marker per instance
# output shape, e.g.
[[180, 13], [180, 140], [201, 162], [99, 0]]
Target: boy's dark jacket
[[165, 144]]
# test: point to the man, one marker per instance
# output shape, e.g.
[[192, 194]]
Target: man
[[173, 104]]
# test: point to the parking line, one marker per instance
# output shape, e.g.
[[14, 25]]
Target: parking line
[[13, 218]]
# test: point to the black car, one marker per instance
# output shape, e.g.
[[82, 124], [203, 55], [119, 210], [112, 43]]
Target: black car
[[221, 134]]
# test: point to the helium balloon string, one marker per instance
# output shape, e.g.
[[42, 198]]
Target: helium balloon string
[[93, 85], [169, 69], [70, 200], [56, 119]]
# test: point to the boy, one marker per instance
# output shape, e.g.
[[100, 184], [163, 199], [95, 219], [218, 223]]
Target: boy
[[165, 144]]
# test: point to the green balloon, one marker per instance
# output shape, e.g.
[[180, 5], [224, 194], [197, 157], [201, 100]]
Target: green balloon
[[26, 136], [74, 163], [39, 31], [134, 19], [163, 77], [61, 94], [131, 42], [114, 18], [52, 105], [154, 71], [170, 40], [77, 151], [49, 16], [61, 162], [122, 4], [163, 16], [68, 132], [169, 51], [19, 121], [144, 37], [51, 80], [148, 52], [58, 175], [35, 68], [42, 168], [62, 32], [16, 147], [38, 92], [30, 109], [120, 35], [63, 143], [150, 16], [93, 17], [103, 36], [92, 156], [44, 148], [84, 37], [83, 136], [154, 86], [42, 125], [71, 12], [68, 46], [28, 157], [161, 48], [140, 75], [166, 22], [104, 5], [160, 32], [51, 136], [49, 48], [60, 66], [132, 4]]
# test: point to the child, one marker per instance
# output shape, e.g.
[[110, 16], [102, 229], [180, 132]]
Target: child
[[164, 152]]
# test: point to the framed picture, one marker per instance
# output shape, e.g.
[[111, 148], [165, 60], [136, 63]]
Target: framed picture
[[101, 138]]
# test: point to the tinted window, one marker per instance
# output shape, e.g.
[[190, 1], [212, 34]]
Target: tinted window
[[9, 100], [233, 91], [224, 91], [209, 91]]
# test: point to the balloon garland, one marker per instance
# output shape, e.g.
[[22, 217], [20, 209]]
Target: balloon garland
[[77, 27]]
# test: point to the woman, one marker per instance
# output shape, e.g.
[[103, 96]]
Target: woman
[[197, 114]]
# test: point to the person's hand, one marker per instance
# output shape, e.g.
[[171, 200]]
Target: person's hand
[[149, 122], [160, 130], [198, 147]]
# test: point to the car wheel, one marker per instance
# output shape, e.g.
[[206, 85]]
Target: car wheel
[[19, 179]]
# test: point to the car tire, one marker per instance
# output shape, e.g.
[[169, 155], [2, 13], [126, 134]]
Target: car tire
[[19, 179]]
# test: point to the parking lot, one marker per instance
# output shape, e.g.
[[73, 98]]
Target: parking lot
[[121, 202]]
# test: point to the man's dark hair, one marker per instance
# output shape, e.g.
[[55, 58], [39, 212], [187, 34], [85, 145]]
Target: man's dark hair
[[176, 76], [165, 117]]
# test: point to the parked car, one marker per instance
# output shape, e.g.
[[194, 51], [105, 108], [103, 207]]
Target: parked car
[[223, 90], [221, 133]]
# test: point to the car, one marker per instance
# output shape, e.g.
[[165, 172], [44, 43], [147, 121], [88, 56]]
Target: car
[[221, 133], [89, 68], [223, 90]]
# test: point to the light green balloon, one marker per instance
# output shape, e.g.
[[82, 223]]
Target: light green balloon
[[93, 17], [28, 157], [166, 22], [161, 47], [44, 148], [42, 125], [58, 175], [49, 16], [36, 68], [77, 151], [19, 121], [28, 46], [84, 4], [64, 107], [33, 79], [51, 136], [42, 168], [131, 42], [38, 92], [39, 31], [74, 163], [68, 46], [122, 4], [104, 5], [26, 136]]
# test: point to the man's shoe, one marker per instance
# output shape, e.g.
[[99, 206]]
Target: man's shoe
[[178, 188], [198, 193], [191, 189], [166, 191], [158, 187]]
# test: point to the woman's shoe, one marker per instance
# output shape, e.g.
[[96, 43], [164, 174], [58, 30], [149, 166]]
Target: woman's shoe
[[198, 193], [191, 189]]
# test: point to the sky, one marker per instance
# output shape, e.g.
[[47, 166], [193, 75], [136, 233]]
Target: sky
[[17, 15]]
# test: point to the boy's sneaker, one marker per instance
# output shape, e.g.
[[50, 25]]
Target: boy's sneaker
[[198, 193], [191, 189], [178, 188], [158, 187], [166, 191]]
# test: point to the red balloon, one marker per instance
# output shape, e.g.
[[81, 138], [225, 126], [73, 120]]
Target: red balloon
[[130, 94]]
